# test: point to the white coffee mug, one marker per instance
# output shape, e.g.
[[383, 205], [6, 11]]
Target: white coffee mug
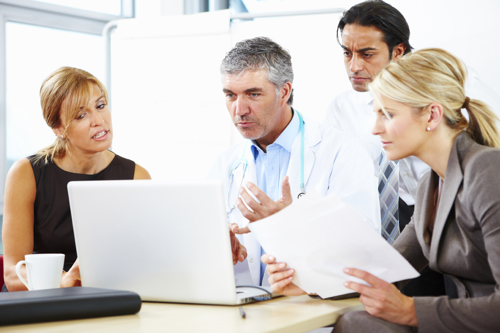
[[44, 270]]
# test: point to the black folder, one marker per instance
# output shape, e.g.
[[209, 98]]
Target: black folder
[[36, 306]]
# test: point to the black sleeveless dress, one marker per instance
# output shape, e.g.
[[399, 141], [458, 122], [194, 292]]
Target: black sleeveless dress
[[53, 227]]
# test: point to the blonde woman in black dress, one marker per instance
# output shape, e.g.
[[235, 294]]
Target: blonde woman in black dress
[[37, 216]]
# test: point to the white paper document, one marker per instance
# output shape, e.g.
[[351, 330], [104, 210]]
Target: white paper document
[[319, 236]]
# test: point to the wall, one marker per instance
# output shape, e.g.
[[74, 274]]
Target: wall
[[168, 107], [166, 93], [468, 29]]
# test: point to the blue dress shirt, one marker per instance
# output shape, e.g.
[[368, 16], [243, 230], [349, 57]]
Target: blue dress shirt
[[271, 166]]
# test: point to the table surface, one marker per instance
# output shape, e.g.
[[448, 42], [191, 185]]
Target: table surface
[[283, 314]]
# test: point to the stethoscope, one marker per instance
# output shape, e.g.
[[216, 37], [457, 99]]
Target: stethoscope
[[243, 162]]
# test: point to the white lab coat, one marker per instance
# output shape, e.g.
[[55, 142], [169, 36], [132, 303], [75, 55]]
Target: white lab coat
[[334, 162]]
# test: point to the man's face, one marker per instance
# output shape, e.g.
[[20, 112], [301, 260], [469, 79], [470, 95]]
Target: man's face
[[365, 54], [253, 105]]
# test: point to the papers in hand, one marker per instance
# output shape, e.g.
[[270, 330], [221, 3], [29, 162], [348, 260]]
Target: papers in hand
[[319, 236]]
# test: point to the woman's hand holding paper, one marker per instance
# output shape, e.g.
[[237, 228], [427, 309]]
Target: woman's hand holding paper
[[281, 278], [383, 300], [264, 208]]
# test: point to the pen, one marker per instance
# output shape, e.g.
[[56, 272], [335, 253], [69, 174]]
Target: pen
[[242, 313]]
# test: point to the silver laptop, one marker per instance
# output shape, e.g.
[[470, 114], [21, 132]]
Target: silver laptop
[[166, 241]]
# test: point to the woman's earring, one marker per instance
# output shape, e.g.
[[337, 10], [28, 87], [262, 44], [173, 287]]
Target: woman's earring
[[428, 129], [62, 136]]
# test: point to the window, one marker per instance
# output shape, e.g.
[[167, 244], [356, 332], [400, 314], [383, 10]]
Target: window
[[37, 37], [263, 6], [113, 7], [42, 51]]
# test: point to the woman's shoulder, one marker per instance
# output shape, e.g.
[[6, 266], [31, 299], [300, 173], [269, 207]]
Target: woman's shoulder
[[119, 168], [23, 166], [32, 164], [38, 161], [480, 170], [141, 173], [21, 172], [117, 159], [138, 171], [481, 158]]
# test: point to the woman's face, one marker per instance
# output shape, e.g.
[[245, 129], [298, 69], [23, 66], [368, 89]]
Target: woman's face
[[403, 133], [91, 130]]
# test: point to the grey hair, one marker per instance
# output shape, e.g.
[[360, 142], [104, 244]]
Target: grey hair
[[260, 53]]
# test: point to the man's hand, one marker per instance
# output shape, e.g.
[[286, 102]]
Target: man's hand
[[238, 250], [383, 300], [281, 278], [72, 278], [265, 208]]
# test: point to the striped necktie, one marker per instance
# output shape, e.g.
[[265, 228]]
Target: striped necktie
[[388, 188]]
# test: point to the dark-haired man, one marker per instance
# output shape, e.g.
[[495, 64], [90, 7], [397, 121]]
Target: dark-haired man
[[284, 154], [372, 34]]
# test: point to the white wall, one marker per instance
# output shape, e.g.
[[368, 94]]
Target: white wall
[[169, 110], [166, 93], [468, 29]]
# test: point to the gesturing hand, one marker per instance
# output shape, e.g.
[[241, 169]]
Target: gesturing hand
[[72, 277], [281, 278], [238, 250], [265, 208], [383, 300]]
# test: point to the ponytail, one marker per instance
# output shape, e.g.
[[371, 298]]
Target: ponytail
[[56, 150], [482, 123]]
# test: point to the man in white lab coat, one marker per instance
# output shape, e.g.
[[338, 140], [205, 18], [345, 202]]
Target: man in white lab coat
[[267, 172]]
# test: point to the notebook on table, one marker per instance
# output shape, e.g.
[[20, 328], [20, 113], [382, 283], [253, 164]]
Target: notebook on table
[[24, 307]]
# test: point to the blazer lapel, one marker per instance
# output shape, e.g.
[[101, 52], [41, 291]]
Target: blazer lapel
[[452, 183], [425, 212]]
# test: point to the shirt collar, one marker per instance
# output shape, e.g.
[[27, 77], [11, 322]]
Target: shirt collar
[[286, 138], [366, 97]]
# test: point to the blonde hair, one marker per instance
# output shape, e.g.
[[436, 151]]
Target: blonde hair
[[434, 75], [67, 88]]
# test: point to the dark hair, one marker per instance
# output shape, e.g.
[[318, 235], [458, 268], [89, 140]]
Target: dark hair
[[381, 15], [260, 53]]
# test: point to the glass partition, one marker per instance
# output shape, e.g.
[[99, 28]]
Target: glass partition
[[32, 53], [113, 7]]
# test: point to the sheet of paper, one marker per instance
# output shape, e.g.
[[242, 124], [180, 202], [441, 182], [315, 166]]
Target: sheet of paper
[[319, 236]]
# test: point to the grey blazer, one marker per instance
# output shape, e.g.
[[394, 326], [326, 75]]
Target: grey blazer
[[465, 241]]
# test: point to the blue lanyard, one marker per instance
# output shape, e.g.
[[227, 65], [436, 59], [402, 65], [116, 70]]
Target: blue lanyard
[[244, 162]]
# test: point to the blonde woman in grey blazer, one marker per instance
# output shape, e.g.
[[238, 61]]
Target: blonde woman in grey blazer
[[456, 225]]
